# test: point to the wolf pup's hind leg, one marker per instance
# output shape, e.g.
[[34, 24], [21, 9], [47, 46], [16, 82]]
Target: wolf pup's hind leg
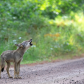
[[7, 69]]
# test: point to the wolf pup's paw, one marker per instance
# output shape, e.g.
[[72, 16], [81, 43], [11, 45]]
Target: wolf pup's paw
[[17, 78], [10, 77]]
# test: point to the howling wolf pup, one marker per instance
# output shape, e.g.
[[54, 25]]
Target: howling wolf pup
[[14, 56]]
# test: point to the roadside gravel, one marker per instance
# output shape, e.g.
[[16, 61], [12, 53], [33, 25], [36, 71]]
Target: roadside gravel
[[65, 72]]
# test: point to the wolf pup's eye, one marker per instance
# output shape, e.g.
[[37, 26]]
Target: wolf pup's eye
[[21, 46]]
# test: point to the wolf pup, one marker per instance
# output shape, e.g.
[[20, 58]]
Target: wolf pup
[[14, 56]]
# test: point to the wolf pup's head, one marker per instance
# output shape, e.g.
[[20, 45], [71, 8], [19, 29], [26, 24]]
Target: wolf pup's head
[[25, 44]]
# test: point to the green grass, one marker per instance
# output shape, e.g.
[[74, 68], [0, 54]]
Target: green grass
[[58, 39]]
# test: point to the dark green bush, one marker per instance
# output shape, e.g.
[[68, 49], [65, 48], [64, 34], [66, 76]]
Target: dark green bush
[[26, 9]]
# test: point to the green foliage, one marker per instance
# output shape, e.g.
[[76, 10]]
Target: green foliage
[[23, 9], [56, 27]]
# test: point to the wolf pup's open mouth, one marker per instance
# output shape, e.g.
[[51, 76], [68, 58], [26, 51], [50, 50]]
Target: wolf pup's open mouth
[[31, 43]]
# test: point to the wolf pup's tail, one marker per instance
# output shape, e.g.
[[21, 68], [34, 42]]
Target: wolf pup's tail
[[2, 64]]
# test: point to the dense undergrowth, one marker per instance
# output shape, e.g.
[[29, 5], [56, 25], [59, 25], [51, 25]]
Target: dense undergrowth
[[55, 36]]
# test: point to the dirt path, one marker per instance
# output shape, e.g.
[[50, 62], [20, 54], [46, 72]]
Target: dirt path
[[67, 72]]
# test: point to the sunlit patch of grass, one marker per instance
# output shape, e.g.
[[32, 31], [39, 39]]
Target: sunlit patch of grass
[[52, 35]]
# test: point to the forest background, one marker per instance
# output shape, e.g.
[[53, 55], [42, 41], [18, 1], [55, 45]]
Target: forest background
[[56, 27]]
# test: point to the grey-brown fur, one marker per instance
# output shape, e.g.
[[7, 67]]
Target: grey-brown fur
[[14, 56]]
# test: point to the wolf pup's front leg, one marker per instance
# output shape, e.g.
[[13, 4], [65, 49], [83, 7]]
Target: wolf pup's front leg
[[16, 70]]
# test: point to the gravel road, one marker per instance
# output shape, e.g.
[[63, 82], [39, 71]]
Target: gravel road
[[65, 72]]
